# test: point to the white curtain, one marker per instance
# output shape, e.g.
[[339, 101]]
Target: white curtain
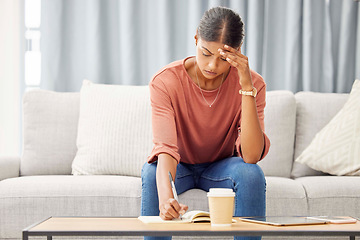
[[297, 45]]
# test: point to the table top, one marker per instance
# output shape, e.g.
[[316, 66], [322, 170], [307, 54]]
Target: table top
[[131, 226]]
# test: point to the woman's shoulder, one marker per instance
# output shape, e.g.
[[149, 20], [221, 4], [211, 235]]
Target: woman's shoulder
[[170, 79], [257, 79], [256, 76], [170, 72]]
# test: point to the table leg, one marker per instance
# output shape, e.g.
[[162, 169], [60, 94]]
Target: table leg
[[25, 236], [49, 237], [352, 237]]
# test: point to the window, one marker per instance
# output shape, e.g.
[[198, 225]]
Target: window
[[32, 36]]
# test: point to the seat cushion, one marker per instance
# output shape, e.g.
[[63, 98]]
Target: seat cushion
[[27, 200], [285, 197], [332, 195]]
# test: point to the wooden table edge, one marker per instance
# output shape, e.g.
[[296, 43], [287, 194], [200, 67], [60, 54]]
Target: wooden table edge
[[28, 232]]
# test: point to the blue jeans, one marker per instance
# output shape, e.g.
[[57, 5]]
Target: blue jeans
[[247, 181]]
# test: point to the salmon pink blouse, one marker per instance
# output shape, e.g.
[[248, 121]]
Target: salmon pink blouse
[[185, 127]]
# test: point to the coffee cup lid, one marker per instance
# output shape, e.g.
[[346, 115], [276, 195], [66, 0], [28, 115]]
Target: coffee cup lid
[[220, 192]]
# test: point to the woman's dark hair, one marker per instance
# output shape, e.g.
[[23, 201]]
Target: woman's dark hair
[[223, 25]]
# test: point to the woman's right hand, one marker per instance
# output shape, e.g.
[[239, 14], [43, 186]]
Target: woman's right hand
[[168, 206], [171, 209]]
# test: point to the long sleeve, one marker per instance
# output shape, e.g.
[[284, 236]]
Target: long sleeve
[[163, 122]]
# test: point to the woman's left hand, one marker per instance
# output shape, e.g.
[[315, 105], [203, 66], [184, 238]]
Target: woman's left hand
[[240, 61]]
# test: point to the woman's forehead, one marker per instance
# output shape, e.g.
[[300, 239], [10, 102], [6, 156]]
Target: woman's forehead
[[211, 46]]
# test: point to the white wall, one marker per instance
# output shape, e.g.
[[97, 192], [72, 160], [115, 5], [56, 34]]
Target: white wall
[[10, 68]]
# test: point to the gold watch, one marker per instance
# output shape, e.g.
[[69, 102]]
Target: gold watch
[[249, 93]]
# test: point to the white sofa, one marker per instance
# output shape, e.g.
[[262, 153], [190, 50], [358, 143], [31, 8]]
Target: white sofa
[[39, 184]]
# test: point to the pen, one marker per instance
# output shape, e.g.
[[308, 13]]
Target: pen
[[174, 189]]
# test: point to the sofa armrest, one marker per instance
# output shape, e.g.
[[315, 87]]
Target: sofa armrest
[[9, 167]]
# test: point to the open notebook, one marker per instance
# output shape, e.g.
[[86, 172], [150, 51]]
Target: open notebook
[[188, 217]]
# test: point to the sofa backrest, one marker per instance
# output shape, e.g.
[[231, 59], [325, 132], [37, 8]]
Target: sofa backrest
[[50, 125], [280, 118], [50, 122], [314, 111]]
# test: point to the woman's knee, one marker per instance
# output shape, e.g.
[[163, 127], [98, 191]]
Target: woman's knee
[[251, 174]]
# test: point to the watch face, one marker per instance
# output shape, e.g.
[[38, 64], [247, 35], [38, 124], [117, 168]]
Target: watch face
[[254, 92], [249, 93]]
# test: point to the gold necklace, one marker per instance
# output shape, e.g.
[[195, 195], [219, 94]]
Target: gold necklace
[[202, 91]]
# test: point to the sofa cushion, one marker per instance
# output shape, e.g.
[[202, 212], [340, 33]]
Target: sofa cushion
[[336, 148], [285, 197], [280, 114], [50, 121], [38, 197], [9, 167], [332, 195], [114, 133], [27, 200], [313, 113]]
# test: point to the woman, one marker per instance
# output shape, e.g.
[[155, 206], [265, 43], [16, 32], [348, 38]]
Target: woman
[[208, 123]]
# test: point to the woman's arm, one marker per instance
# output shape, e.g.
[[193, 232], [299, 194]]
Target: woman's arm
[[252, 136], [168, 206]]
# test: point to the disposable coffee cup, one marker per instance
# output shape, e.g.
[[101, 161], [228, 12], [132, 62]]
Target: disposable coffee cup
[[221, 205]]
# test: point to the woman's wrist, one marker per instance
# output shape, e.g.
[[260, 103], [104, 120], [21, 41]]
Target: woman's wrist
[[251, 93], [166, 163]]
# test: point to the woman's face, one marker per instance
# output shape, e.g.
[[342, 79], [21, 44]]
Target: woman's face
[[210, 62]]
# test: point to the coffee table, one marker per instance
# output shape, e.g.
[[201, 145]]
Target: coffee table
[[131, 226]]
